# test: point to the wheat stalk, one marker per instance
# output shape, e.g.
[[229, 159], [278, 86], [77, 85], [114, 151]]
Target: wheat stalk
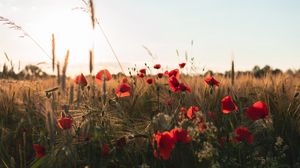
[[71, 94], [232, 72], [64, 70], [53, 52], [91, 61], [58, 73], [92, 12]]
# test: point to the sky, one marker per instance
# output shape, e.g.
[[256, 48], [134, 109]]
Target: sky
[[253, 32]]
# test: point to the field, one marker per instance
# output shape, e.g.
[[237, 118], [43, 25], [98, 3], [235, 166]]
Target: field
[[91, 124], [154, 117]]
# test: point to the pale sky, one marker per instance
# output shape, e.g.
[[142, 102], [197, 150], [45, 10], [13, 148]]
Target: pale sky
[[258, 32]]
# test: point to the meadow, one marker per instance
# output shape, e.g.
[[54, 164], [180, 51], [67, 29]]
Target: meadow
[[151, 123]]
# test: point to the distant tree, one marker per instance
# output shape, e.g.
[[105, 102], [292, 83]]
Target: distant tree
[[266, 69], [32, 71], [257, 72], [255, 68], [289, 72], [276, 72], [4, 71]]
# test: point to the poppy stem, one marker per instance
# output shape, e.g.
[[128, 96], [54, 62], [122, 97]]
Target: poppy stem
[[78, 96], [157, 90]]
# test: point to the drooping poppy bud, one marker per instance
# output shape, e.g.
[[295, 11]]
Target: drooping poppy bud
[[81, 80]]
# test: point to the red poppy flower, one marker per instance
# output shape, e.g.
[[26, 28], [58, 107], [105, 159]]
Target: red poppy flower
[[174, 72], [191, 112], [202, 127], [39, 150], [65, 122], [123, 90], [157, 66], [228, 105], [243, 134], [166, 73], [143, 71], [160, 75], [105, 150], [183, 110], [141, 75], [181, 135], [150, 81], [211, 81], [80, 80], [164, 143], [257, 111], [104, 75], [182, 65], [173, 83], [182, 87]]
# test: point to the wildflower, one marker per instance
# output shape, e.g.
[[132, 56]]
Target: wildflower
[[243, 134], [157, 66], [257, 111], [191, 112], [182, 65], [173, 83], [181, 135], [123, 90], [104, 75], [166, 73], [150, 81], [164, 143], [105, 150], [81, 80], [143, 71], [182, 87], [174, 72], [39, 150], [141, 75], [228, 105], [211, 81], [65, 123], [183, 110], [202, 127], [160, 75]]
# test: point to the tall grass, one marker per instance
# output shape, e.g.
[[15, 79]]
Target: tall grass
[[53, 52], [64, 71], [131, 116]]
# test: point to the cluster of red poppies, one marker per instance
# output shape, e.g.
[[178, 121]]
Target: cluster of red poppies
[[122, 90], [255, 112], [164, 142]]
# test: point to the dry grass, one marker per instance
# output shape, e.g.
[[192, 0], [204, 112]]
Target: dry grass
[[131, 116]]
